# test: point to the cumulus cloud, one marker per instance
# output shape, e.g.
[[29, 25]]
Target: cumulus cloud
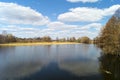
[[60, 26], [67, 30], [95, 26], [20, 31], [11, 13], [54, 29], [111, 10], [86, 14], [84, 1], [17, 29]]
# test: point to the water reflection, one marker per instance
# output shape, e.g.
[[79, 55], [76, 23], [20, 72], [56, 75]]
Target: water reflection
[[80, 68], [110, 67], [54, 72], [56, 62]]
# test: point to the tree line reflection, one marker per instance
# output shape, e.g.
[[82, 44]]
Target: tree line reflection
[[110, 66]]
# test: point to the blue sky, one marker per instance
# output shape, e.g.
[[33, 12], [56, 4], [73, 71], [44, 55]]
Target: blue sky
[[55, 18]]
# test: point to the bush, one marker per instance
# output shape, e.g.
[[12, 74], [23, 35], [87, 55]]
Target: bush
[[85, 40]]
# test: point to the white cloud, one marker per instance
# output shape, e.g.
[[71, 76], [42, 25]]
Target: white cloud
[[61, 26], [111, 10], [54, 29], [84, 1], [91, 30], [66, 30], [19, 31], [96, 26], [81, 14], [86, 14], [11, 13]]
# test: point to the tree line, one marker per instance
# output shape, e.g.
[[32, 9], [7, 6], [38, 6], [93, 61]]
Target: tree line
[[85, 39], [9, 38]]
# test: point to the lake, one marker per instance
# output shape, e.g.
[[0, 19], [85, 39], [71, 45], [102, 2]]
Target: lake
[[52, 62]]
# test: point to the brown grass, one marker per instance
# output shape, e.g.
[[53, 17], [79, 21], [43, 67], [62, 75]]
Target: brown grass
[[37, 43]]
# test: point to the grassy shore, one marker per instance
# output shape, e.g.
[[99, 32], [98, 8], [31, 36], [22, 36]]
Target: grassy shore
[[37, 43]]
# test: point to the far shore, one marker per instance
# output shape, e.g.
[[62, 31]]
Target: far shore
[[37, 43]]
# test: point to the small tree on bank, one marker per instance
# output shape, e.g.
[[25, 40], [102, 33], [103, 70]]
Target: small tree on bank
[[85, 40]]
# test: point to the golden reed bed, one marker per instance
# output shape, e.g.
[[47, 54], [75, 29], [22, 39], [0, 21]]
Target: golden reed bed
[[37, 43]]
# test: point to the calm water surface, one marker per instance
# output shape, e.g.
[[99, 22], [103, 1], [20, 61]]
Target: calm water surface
[[51, 62]]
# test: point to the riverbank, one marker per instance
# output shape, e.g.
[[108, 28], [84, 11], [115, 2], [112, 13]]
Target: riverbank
[[37, 43]]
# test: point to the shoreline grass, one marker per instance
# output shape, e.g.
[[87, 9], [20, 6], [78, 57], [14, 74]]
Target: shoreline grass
[[37, 43]]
